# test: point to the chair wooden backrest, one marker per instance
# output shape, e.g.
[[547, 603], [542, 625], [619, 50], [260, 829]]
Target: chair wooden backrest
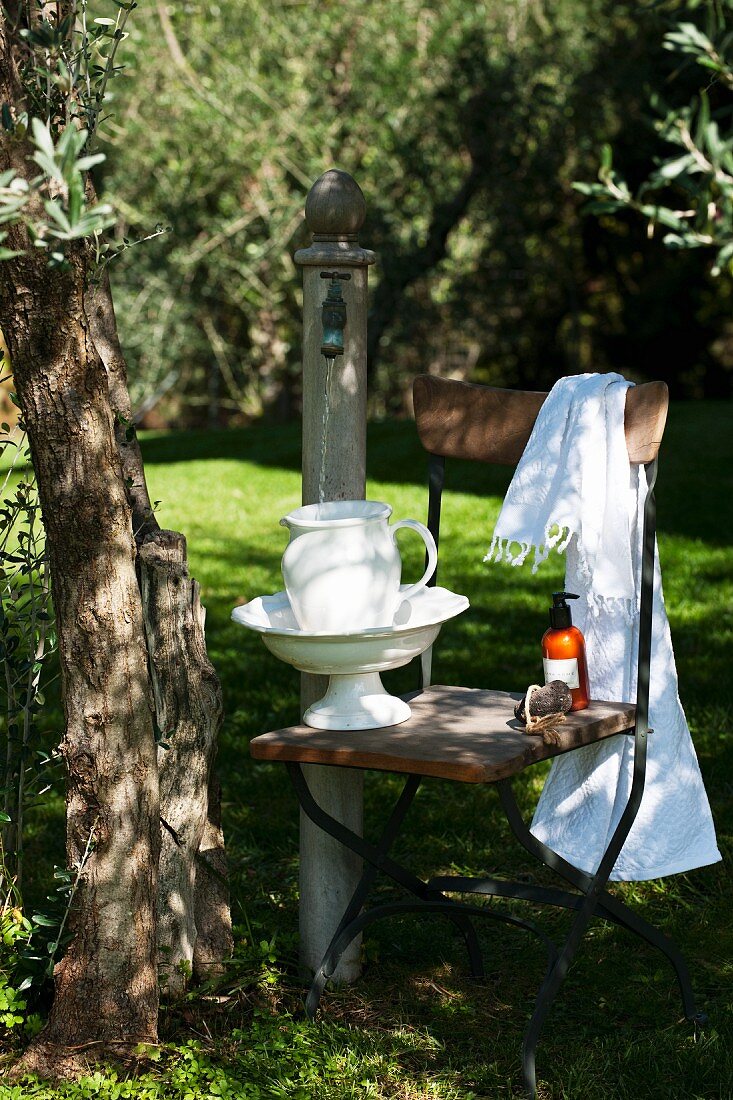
[[459, 420]]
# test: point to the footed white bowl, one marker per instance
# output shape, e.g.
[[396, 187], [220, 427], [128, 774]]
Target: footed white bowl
[[356, 698]]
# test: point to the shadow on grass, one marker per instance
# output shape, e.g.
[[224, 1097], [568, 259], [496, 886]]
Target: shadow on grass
[[695, 489]]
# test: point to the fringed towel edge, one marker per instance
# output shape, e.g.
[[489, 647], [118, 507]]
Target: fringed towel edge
[[556, 537]]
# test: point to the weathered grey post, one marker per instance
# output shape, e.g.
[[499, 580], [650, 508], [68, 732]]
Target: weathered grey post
[[334, 211]]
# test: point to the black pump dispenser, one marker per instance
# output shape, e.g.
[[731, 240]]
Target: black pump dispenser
[[560, 616]]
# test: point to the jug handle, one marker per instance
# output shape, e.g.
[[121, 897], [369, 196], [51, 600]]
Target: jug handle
[[431, 548]]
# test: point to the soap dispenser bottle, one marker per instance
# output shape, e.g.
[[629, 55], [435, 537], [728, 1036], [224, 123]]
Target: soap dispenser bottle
[[563, 651]]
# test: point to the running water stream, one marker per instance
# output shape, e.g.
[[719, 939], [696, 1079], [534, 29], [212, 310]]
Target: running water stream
[[324, 431]]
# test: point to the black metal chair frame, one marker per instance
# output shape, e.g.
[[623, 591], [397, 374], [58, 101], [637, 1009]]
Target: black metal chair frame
[[592, 897]]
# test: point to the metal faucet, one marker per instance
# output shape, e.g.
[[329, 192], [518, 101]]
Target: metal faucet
[[333, 312]]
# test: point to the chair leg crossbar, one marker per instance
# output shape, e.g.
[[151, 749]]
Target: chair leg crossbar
[[430, 897]]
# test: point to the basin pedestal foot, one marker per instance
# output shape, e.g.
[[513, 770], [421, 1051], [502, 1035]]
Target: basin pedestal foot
[[356, 701]]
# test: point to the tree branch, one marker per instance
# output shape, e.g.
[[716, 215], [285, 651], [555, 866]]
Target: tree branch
[[100, 311]]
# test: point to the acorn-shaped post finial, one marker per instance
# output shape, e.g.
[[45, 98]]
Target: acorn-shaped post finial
[[335, 208]]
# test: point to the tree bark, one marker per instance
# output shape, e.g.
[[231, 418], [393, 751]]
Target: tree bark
[[195, 930], [106, 984], [99, 307], [188, 710], [214, 940]]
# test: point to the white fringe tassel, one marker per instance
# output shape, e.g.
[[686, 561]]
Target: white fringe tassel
[[556, 538]]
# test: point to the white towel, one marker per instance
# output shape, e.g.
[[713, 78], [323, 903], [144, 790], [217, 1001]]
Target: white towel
[[575, 489]]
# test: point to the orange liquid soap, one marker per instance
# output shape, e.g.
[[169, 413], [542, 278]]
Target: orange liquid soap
[[563, 651]]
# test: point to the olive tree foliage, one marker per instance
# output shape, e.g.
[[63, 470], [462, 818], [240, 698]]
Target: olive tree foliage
[[465, 125], [64, 73], [688, 194]]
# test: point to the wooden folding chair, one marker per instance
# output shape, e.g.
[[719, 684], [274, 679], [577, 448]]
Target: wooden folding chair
[[470, 735]]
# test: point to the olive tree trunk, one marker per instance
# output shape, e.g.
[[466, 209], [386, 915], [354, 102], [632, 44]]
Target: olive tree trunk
[[194, 931], [188, 712], [106, 984]]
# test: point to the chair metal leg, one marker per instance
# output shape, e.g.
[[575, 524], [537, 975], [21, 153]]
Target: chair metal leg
[[549, 990], [609, 907], [621, 914], [592, 899], [596, 900], [442, 906], [430, 899], [338, 945], [378, 859]]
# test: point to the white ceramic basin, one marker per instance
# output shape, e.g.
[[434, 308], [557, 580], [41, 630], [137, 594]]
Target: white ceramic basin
[[356, 698]]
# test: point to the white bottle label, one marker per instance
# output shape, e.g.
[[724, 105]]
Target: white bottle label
[[562, 670]]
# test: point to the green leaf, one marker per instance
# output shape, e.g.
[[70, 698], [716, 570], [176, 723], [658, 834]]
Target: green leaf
[[689, 38], [675, 241], [48, 165], [70, 144], [589, 188], [703, 119], [674, 168], [664, 216], [42, 137], [76, 202], [85, 163], [55, 211], [710, 63], [723, 260], [715, 146], [43, 921]]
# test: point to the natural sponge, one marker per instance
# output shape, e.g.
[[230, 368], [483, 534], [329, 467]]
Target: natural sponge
[[542, 709], [553, 698]]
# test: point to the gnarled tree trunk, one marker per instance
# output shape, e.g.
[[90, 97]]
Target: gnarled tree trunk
[[106, 984], [194, 933]]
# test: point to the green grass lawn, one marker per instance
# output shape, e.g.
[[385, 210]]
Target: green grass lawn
[[416, 1026]]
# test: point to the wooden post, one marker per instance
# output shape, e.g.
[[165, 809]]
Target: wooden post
[[335, 211]]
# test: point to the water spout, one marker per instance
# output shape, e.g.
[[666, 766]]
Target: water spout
[[333, 313]]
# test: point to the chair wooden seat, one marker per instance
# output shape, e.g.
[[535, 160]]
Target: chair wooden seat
[[465, 734]]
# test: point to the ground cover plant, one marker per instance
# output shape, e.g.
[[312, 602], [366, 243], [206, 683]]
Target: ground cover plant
[[416, 1026]]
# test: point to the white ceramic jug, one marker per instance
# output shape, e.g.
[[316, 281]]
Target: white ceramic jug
[[342, 566]]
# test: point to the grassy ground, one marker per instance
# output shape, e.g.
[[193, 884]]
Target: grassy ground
[[416, 1026]]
